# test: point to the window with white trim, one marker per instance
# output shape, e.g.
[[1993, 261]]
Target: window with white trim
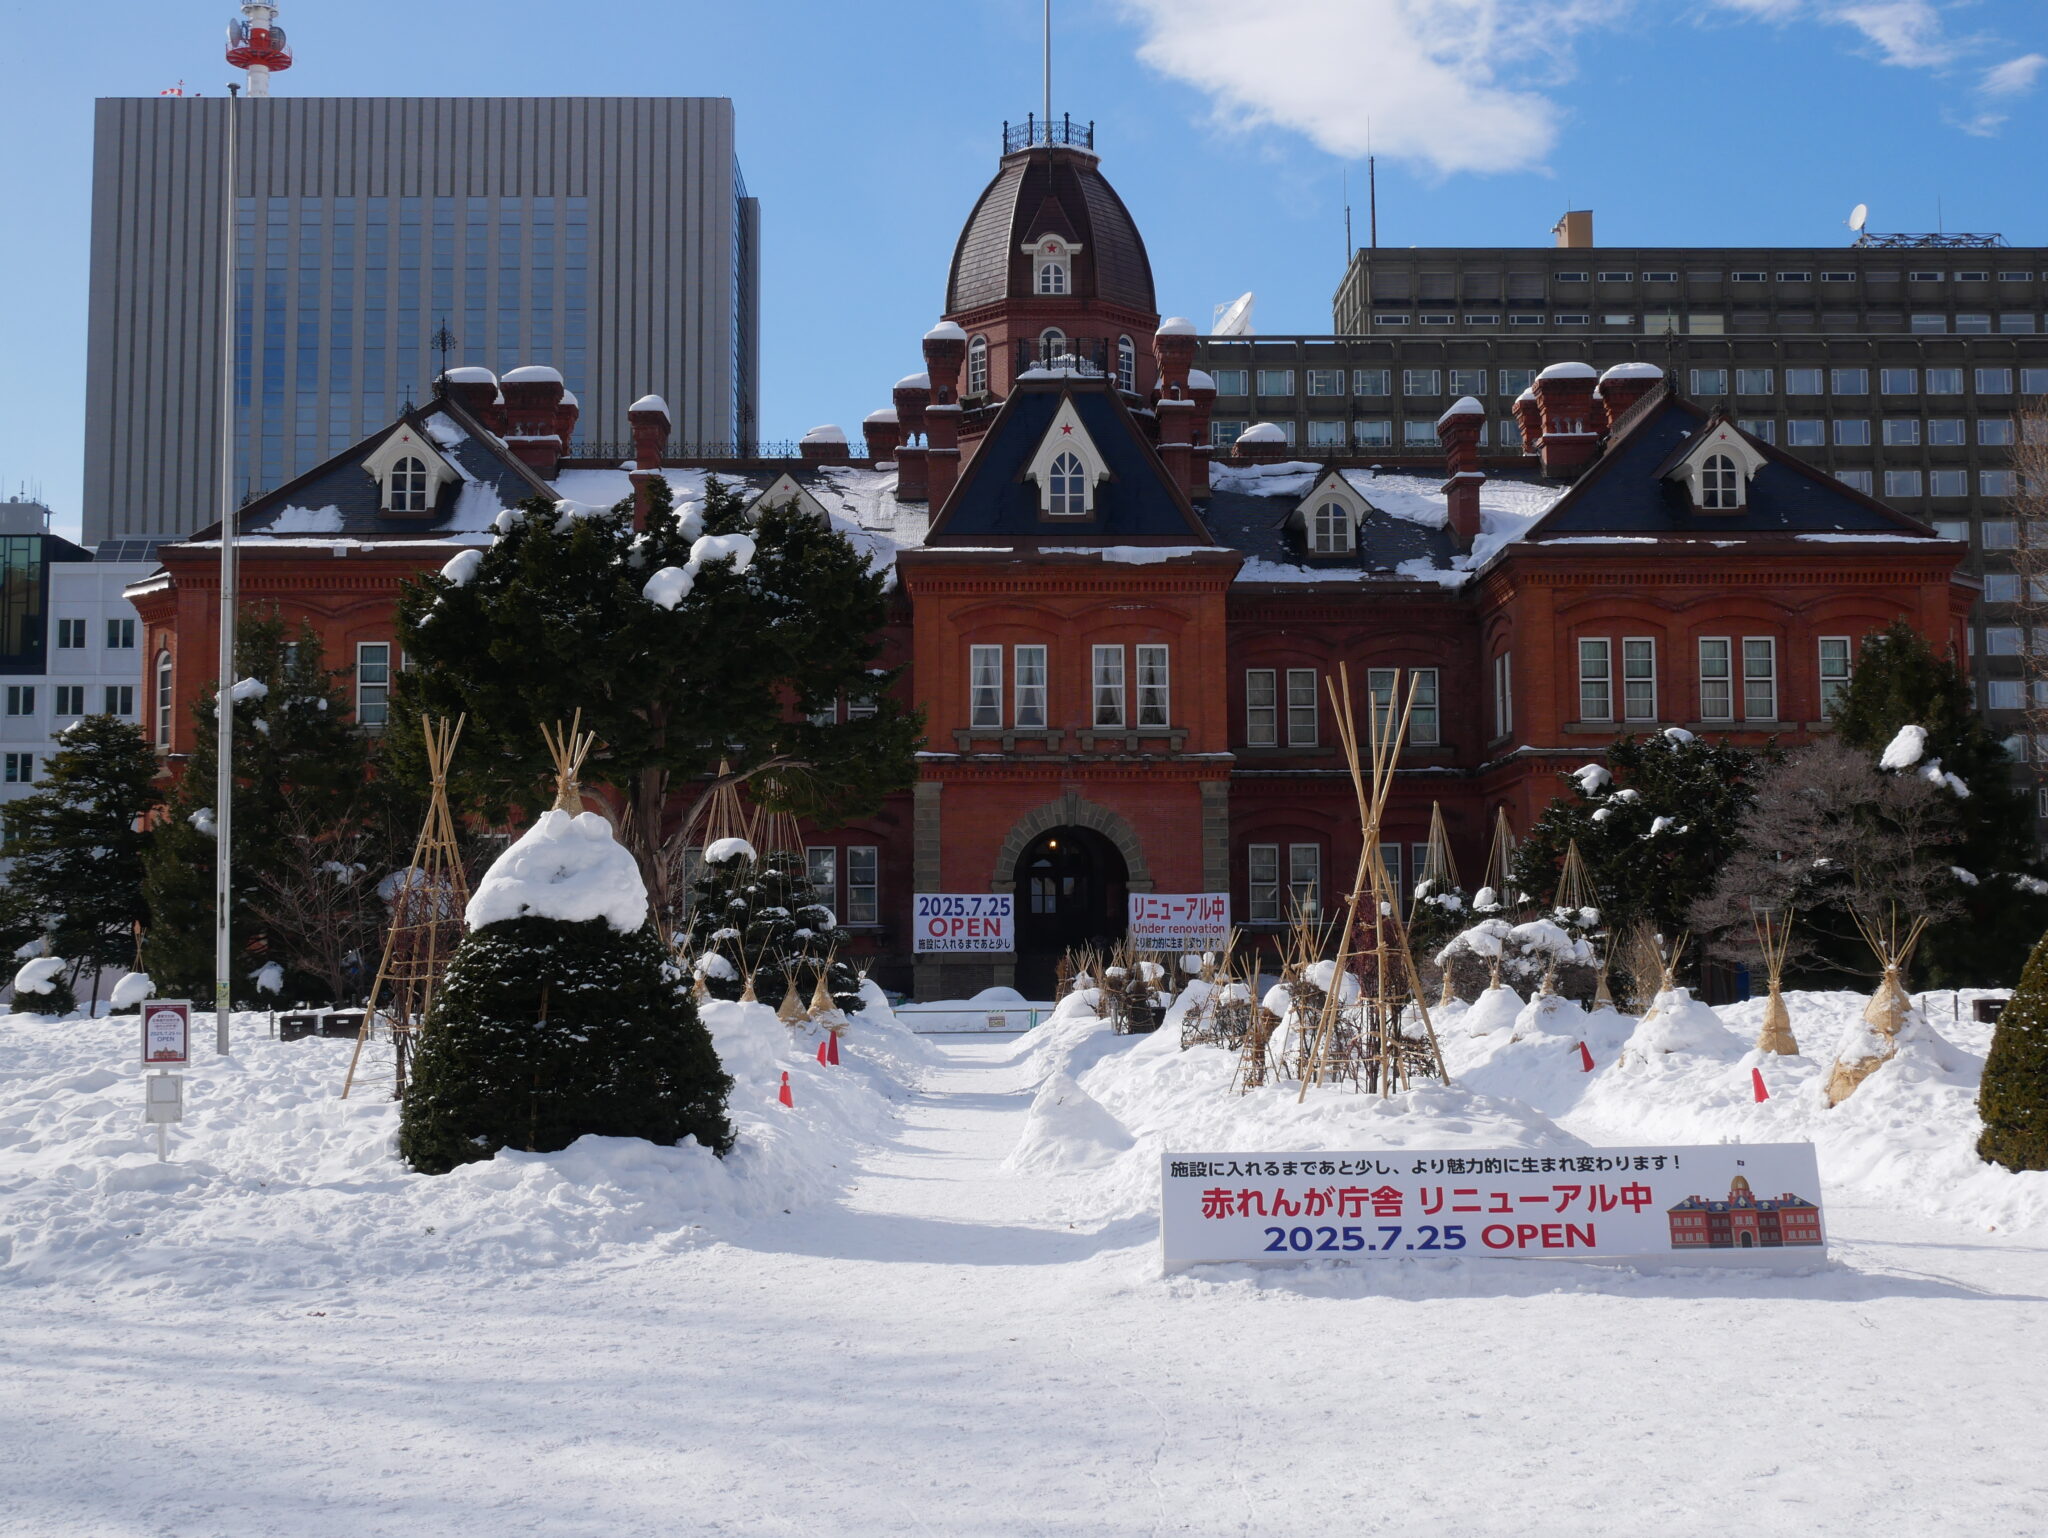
[[1261, 708], [1030, 687], [407, 487], [70, 699], [120, 635], [977, 366], [863, 884], [821, 865], [71, 635], [1154, 706], [1503, 694], [1759, 678], [1302, 730], [1330, 528], [1720, 484], [163, 701], [373, 683], [985, 686], [1834, 673], [20, 768], [1305, 878], [1638, 678], [1262, 872], [1066, 490], [21, 699], [1109, 686], [118, 699], [1717, 685], [1126, 365], [1425, 721], [1052, 277], [1596, 680]]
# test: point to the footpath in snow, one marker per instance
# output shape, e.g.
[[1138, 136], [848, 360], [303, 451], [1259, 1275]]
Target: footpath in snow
[[927, 1299]]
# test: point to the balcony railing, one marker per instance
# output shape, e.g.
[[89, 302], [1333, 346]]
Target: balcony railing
[[675, 453], [1036, 130]]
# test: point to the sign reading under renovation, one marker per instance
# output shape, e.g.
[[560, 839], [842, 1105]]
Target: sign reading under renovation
[[963, 921], [1189, 921], [1728, 1203]]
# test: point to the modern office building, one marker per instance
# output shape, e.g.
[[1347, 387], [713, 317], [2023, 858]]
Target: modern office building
[[612, 238], [69, 641], [1898, 365]]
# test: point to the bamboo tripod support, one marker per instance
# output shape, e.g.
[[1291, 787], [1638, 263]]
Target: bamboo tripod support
[[1395, 982], [1774, 939], [426, 918]]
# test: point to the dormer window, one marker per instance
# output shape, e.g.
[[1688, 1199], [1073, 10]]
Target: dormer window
[[1052, 278], [1330, 529], [406, 488], [1720, 484], [977, 366], [1066, 494], [1052, 262], [1067, 467]]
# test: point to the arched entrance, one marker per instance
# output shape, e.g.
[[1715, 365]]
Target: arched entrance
[[1071, 886]]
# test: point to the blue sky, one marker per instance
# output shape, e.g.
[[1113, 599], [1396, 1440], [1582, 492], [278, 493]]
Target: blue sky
[[1228, 125]]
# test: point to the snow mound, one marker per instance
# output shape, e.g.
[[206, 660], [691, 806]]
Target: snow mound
[[1066, 1131], [462, 568], [40, 976], [1905, 749], [719, 850], [1678, 1023], [669, 586], [738, 548], [563, 867], [1551, 1015], [1497, 1009], [133, 988]]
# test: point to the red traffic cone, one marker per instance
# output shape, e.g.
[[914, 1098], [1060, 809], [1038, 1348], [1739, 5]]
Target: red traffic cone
[[823, 1046], [1756, 1083], [832, 1045], [785, 1097], [1585, 1059]]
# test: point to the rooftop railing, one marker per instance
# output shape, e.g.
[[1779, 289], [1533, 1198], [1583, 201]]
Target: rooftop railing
[[1036, 130]]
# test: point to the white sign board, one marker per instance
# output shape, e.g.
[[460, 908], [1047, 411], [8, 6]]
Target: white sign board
[[164, 1100], [1186, 921], [1729, 1203], [959, 922], [166, 1033]]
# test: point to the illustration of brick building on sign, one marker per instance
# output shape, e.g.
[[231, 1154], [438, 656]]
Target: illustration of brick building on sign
[[1743, 1221]]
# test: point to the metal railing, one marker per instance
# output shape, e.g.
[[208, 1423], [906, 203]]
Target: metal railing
[[1036, 130], [675, 453], [971, 1021]]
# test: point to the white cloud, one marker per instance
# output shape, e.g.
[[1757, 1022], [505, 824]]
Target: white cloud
[[1454, 84], [2014, 76], [1907, 32]]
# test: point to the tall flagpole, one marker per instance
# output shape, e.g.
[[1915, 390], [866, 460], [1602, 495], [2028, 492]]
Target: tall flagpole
[[224, 774], [1048, 72]]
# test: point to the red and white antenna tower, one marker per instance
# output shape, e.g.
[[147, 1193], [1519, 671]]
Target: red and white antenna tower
[[256, 43]]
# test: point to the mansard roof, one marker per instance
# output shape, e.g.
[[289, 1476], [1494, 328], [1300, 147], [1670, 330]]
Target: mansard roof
[[1059, 191]]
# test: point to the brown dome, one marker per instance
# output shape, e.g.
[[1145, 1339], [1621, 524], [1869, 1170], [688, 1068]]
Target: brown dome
[[1038, 192]]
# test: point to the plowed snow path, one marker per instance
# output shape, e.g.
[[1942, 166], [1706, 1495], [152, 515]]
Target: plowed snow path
[[930, 1355]]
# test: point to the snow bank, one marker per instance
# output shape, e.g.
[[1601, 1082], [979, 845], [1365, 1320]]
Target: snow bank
[[1679, 1023], [563, 867], [1497, 1009], [1066, 1131]]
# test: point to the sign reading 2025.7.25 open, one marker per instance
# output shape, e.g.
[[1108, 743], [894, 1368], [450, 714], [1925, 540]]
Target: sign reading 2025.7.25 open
[[1733, 1203], [963, 922]]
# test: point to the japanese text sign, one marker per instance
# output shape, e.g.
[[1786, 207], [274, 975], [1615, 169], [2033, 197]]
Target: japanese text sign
[[166, 1032], [966, 921], [1192, 921], [1728, 1203]]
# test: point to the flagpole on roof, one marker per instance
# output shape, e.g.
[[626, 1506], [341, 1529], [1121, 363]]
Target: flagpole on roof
[[224, 709]]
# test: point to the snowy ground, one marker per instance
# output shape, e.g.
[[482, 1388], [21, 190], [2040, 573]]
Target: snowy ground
[[927, 1300]]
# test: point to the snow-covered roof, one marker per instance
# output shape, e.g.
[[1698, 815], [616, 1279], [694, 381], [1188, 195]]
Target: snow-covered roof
[[914, 382], [1570, 371], [532, 373], [649, 403], [1176, 325], [946, 331]]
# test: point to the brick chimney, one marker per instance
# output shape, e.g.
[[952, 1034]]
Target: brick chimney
[[565, 417], [1458, 430], [945, 352], [1173, 350], [474, 389], [1262, 442], [649, 419], [533, 400], [882, 432], [1564, 392], [1625, 384], [1202, 390], [1528, 417], [824, 446], [912, 394]]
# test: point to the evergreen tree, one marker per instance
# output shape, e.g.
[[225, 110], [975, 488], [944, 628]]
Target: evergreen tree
[[77, 844], [698, 639], [1653, 830], [2013, 1099], [548, 1028], [1900, 680], [299, 761], [55, 1001], [761, 916]]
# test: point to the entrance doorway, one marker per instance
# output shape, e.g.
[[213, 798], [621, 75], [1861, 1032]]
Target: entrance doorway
[[1070, 892]]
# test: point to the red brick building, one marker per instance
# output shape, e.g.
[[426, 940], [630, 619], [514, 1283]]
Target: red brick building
[[1120, 645], [1744, 1221]]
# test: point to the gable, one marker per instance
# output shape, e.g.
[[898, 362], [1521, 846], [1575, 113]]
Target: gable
[[785, 488], [1135, 500]]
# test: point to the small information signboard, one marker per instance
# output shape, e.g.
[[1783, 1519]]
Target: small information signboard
[[1726, 1204], [1180, 921], [166, 1033], [963, 922]]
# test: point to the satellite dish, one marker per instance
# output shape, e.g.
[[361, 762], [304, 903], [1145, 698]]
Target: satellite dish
[[1234, 318], [1859, 216]]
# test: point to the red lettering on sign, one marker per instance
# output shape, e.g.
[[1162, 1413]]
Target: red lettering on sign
[[1504, 1241]]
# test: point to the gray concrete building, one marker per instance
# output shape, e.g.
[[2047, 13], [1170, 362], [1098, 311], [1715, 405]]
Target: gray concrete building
[[610, 237]]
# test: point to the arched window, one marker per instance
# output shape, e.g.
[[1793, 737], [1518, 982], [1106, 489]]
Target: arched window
[[1067, 488], [408, 486], [1052, 277], [1720, 483], [163, 701], [1051, 343], [1126, 365], [1330, 530], [977, 366]]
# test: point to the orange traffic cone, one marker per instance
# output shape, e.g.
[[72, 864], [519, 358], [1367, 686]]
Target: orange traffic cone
[[822, 1058], [1585, 1059], [1756, 1084], [832, 1042], [785, 1097]]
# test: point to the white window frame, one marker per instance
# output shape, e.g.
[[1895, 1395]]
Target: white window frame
[[21, 699], [826, 891], [1717, 678], [1304, 724], [1596, 678], [1754, 646], [1503, 694], [1029, 685], [119, 699], [1261, 708], [1126, 366], [1305, 878], [66, 630], [67, 700], [977, 366], [1330, 529], [1834, 679], [1425, 718], [120, 635], [1639, 678], [863, 886], [373, 694], [1106, 693], [1284, 377], [21, 769], [1262, 883], [1720, 484], [165, 676], [1155, 685], [984, 688]]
